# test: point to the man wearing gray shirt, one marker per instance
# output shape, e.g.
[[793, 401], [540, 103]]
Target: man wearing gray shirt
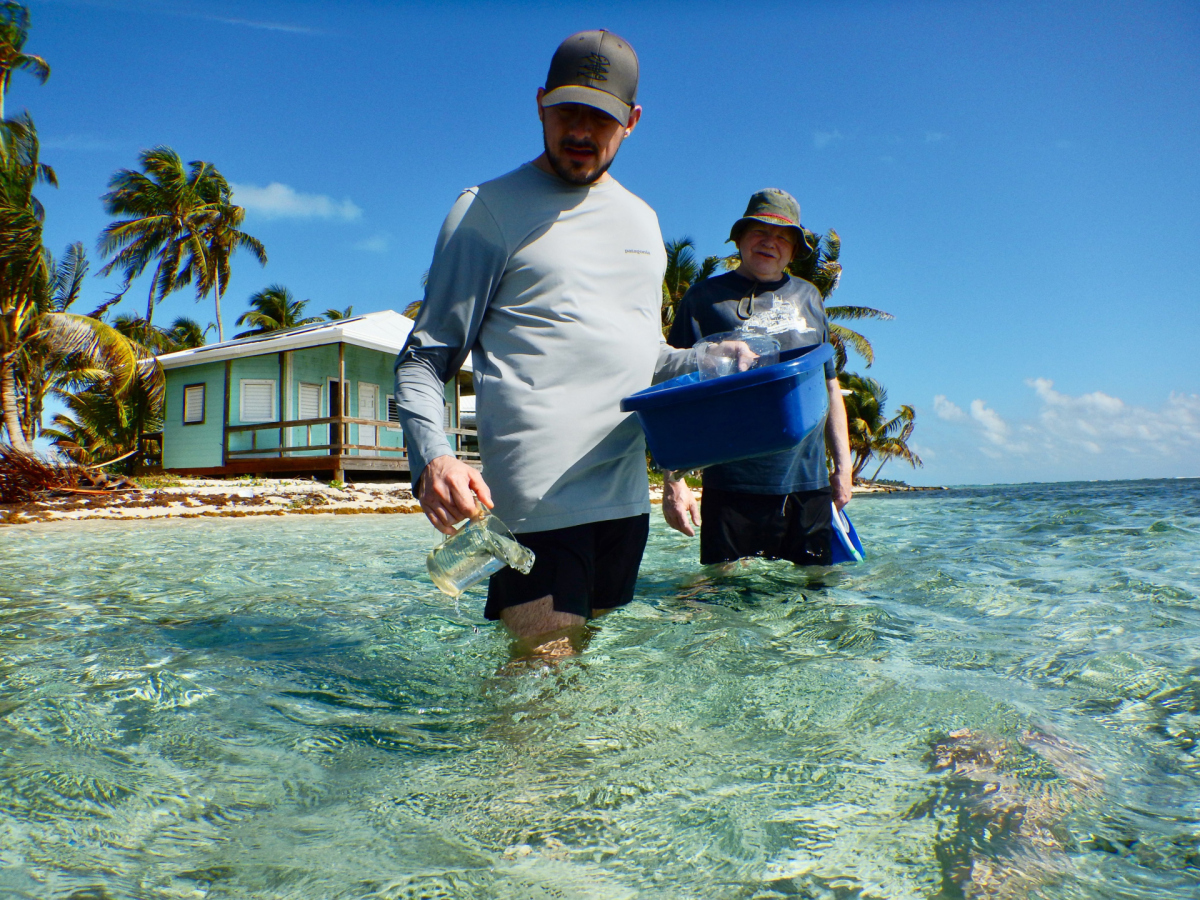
[[551, 276]]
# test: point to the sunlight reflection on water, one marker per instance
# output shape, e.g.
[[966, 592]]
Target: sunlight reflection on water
[[1004, 699]]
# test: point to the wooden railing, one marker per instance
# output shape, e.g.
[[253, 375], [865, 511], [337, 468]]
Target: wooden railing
[[337, 438]]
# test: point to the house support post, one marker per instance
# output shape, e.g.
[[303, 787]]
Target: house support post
[[283, 392], [225, 415], [339, 471]]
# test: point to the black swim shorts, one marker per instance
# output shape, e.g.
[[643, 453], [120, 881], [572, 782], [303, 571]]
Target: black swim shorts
[[796, 527], [584, 568]]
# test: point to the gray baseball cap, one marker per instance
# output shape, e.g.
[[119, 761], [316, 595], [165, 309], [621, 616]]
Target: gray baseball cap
[[595, 68]]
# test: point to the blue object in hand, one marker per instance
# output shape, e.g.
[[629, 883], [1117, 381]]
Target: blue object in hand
[[846, 546]]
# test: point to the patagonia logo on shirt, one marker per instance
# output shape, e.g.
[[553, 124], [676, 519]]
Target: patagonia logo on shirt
[[640, 252]]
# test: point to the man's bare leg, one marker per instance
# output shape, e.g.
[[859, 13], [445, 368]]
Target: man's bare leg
[[541, 630]]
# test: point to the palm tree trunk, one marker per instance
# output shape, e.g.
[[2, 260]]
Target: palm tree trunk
[[8, 400], [153, 289], [220, 327], [860, 463], [880, 469], [150, 300]]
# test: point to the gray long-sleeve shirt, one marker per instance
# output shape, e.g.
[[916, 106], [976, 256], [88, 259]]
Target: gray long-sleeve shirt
[[557, 289]]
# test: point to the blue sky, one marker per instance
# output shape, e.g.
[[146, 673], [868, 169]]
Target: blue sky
[[1018, 183]]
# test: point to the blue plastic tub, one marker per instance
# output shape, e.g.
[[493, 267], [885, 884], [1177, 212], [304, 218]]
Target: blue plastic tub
[[691, 423]]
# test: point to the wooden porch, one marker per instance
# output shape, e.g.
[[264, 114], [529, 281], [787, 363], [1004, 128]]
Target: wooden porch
[[282, 454]]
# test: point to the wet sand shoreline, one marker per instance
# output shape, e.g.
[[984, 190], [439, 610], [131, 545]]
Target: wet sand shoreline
[[192, 498]]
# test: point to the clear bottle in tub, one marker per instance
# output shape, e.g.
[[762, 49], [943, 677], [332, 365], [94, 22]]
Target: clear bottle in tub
[[479, 549], [734, 351]]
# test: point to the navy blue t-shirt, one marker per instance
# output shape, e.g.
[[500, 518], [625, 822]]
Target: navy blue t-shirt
[[724, 303]]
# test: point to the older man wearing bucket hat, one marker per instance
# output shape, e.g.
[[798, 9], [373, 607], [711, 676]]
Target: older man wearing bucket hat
[[551, 277], [777, 506]]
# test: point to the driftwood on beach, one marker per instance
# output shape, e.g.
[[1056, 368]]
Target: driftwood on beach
[[25, 476]]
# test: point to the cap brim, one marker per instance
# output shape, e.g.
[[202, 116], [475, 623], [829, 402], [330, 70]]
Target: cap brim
[[601, 100]]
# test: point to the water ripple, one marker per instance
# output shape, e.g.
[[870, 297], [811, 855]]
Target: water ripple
[[1003, 702]]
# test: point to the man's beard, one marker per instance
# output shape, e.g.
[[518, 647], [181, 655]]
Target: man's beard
[[563, 169]]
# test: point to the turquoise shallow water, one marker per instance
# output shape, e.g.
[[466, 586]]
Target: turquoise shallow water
[[1004, 701]]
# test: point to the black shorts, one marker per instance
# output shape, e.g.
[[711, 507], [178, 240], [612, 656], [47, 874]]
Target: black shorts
[[584, 568], [796, 527]]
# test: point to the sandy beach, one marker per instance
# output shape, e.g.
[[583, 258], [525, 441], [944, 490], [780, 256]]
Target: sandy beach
[[190, 498]]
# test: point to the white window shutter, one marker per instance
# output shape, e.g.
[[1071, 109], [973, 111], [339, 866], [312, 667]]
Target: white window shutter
[[310, 401], [258, 400], [193, 404]]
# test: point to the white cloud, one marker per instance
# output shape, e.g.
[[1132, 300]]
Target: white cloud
[[933, 137], [1068, 429], [926, 453], [947, 410], [995, 429], [266, 26], [1099, 423], [280, 201], [78, 142], [376, 244], [822, 139]]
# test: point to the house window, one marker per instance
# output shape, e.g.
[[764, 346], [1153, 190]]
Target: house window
[[393, 412], [310, 401], [193, 404], [258, 400]]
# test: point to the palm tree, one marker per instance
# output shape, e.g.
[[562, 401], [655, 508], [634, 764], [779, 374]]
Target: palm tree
[[274, 310], [823, 269], [222, 237], [39, 369], [871, 435], [105, 419], [894, 445], [186, 334], [683, 270], [14, 29], [137, 329], [105, 423], [36, 331], [412, 309], [169, 213], [335, 315]]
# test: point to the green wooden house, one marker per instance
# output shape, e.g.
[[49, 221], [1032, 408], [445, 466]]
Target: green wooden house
[[314, 400]]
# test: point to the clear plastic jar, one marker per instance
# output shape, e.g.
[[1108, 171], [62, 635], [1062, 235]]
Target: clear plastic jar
[[479, 549], [734, 351]]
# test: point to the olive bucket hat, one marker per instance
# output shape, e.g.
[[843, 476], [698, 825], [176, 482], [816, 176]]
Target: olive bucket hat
[[774, 207]]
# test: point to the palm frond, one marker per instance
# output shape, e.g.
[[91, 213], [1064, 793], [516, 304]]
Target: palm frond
[[856, 312], [68, 276], [842, 337], [707, 268], [70, 334], [186, 334]]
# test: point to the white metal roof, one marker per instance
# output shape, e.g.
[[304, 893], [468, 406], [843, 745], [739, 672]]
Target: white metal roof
[[385, 331]]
